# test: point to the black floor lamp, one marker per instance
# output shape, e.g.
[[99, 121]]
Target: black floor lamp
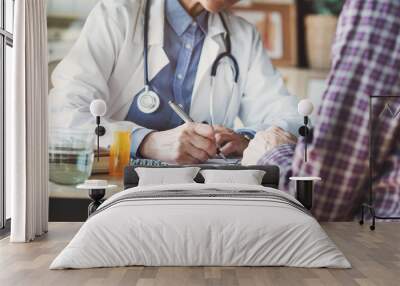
[[370, 205]]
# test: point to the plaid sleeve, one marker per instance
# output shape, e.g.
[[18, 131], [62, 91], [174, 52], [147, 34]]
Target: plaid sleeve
[[281, 156], [366, 61]]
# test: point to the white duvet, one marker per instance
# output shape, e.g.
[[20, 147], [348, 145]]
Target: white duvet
[[205, 231]]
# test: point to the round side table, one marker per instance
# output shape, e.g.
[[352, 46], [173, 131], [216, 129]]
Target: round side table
[[305, 189], [96, 191]]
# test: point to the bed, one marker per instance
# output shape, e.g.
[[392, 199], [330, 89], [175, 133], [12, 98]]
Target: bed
[[197, 224]]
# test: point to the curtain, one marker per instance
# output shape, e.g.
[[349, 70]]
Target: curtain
[[27, 132]]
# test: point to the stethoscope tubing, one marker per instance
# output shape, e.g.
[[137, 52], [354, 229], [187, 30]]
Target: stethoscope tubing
[[146, 43], [214, 67]]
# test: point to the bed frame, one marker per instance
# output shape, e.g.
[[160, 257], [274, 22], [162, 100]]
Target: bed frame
[[271, 178]]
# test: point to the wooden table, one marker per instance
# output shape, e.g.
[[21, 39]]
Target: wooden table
[[375, 257]]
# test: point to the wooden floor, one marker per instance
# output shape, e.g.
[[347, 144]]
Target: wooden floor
[[375, 257]]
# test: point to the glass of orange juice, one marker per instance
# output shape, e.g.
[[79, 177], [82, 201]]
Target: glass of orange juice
[[120, 150]]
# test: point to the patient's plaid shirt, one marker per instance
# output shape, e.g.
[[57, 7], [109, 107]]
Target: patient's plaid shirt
[[366, 61]]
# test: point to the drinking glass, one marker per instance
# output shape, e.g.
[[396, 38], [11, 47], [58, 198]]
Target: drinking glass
[[70, 155], [120, 150]]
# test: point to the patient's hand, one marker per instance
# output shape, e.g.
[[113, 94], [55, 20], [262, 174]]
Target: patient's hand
[[265, 141], [231, 143]]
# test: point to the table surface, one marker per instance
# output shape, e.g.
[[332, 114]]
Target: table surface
[[374, 255]]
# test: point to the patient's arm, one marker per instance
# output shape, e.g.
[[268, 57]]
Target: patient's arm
[[281, 156], [365, 63], [264, 142]]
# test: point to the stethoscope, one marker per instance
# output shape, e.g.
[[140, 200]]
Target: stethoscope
[[149, 101]]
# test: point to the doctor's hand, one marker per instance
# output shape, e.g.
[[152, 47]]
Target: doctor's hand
[[190, 143], [264, 141], [231, 143]]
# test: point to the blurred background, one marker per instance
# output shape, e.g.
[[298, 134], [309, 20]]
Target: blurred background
[[297, 35]]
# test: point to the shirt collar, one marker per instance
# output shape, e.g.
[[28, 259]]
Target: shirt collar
[[180, 20]]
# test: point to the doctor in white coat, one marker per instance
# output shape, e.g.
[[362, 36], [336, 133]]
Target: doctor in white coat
[[184, 39]]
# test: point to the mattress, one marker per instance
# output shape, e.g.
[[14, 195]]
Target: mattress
[[201, 225]]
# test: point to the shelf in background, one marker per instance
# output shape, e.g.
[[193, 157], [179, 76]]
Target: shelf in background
[[306, 83]]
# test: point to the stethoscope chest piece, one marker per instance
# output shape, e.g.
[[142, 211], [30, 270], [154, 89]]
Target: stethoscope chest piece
[[148, 101]]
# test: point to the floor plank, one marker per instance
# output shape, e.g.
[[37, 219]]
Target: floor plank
[[375, 257]]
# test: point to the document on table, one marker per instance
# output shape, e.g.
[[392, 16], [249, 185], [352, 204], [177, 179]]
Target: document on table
[[157, 163]]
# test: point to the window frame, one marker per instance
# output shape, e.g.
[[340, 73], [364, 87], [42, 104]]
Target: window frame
[[6, 39]]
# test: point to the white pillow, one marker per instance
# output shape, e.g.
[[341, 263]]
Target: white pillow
[[244, 177], [166, 176]]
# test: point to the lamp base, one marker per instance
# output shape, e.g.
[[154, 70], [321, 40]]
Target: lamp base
[[304, 193], [96, 195], [305, 190]]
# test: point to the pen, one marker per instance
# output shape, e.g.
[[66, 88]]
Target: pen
[[180, 112], [186, 118]]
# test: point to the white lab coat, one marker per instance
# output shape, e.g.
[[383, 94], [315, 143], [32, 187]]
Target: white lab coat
[[107, 63]]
